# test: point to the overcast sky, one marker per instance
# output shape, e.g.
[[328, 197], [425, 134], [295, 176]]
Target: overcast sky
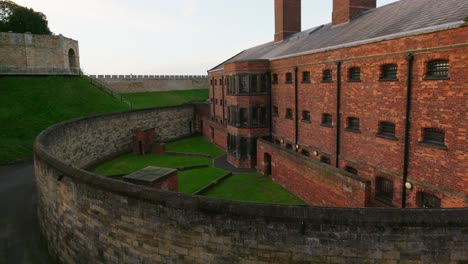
[[167, 37]]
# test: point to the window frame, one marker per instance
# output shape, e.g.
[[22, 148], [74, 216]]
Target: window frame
[[275, 111], [389, 72], [288, 78], [384, 134], [422, 197], [352, 73], [433, 71], [325, 118], [382, 190], [431, 142], [289, 114], [305, 114], [274, 78], [305, 77], [325, 159], [351, 170], [325, 74], [351, 124]]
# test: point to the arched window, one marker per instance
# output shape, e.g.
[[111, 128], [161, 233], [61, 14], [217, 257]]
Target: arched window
[[72, 59]]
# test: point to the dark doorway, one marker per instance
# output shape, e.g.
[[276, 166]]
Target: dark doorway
[[72, 59], [267, 164], [190, 128], [140, 146], [212, 134]]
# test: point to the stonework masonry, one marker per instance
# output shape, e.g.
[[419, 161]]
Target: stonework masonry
[[153, 83], [87, 218], [38, 54]]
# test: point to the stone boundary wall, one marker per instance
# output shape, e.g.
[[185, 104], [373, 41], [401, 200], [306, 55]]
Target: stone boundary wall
[[153, 83], [31, 54], [87, 218]]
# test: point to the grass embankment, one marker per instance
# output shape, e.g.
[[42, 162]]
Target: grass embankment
[[243, 187], [28, 105], [167, 98]]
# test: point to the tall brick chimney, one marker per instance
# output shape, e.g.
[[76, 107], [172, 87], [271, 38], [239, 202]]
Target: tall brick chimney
[[345, 10], [287, 18]]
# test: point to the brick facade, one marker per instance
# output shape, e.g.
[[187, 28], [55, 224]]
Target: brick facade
[[439, 104]]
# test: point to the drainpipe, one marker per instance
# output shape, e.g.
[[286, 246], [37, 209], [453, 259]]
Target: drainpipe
[[222, 96], [338, 114], [214, 99], [296, 100], [271, 105], [409, 83]]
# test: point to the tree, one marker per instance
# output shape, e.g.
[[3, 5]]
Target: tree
[[20, 19]]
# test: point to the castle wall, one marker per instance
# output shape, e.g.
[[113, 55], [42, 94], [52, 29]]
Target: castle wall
[[37, 54], [153, 83], [91, 219]]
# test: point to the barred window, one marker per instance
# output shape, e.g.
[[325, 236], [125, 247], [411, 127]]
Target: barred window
[[353, 124], [351, 170], [305, 116], [243, 84], [305, 153], [288, 77], [354, 74], [327, 75], [274, 79], [386, 129], [426, 200], [326, 120], [243, 117], [384, 189], [289, 113], [288, 146], [275, 110], [306, 77], [389, 72], [254, 83], [437, 69], [433, 136], [325, 160]]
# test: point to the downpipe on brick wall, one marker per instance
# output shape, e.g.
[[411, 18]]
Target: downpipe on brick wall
[[338, 115], [296, 102], [409, 83]]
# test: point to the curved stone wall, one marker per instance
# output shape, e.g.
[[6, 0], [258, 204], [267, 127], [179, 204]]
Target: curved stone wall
[[91, 219]]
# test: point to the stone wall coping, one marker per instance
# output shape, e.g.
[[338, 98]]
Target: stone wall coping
[[294, 214], [149, 77]]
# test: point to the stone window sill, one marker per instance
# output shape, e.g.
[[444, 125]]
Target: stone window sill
[[388, 80], [354, 80], [435, 78], [305, 121], [390, 137], [326, 125], [433, 145], [353, 130], [326, 81]]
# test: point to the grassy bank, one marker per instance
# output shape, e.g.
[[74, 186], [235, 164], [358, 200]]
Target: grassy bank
[[169, 98]]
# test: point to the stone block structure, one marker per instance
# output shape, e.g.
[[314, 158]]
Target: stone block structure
[[153, 83], [30, 54], [379, 94], [87, 218]]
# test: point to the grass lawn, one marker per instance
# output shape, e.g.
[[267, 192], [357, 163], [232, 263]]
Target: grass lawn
[[166, 98], [243, 187], [195, 145], [252, 187], [28, 105]]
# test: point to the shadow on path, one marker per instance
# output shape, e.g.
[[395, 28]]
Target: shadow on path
[[222, 163], [20, 238]]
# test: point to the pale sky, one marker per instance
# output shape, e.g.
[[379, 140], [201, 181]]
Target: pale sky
[[159, 37]]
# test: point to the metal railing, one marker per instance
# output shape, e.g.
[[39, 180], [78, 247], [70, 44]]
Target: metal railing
[[106, 89]]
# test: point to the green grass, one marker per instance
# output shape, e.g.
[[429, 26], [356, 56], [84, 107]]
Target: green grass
[[243, 187], [129, 163], [167, 98], [195, 145], [28, 105], [252, 187]]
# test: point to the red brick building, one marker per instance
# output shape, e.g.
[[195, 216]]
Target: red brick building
[[369, 110]]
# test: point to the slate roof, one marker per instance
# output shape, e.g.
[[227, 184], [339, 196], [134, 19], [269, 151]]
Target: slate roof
[[395, 18]]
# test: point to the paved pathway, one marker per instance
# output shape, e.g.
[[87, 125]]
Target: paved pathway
[[20, 239], [222, 163]]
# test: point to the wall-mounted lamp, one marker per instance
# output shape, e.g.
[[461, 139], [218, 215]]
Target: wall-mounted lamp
[[282, 141], [297, 146], [409, 185], [316, 153]]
